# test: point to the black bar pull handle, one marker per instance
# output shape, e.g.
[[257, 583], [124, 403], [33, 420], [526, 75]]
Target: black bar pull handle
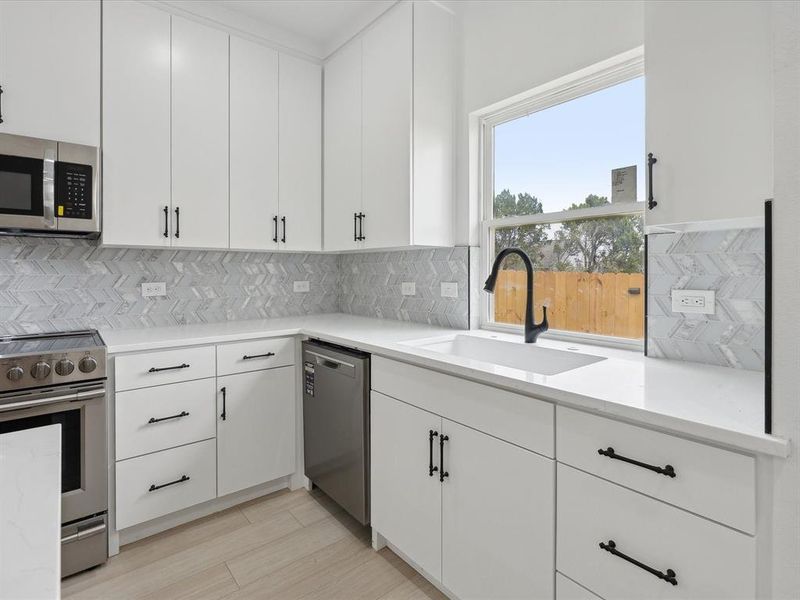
[[651, 202], [669, 576], [177, 221], [252, 356], [183, 413], [360, 216], [166, 221], [283, 222], [1, 104], [275, 228], [667, 470], [155, 487], [431, 469], [355, 227], [159, 369], [442, 473], [224, 414]]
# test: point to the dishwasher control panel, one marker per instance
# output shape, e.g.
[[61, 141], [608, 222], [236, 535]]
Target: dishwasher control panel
[[308, 377]]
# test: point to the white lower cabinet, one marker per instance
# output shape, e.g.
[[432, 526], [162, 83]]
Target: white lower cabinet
[[623, 545], [497, 517], [406, 497], [476, 513], [255, 428], [566, 589], [157, 484]]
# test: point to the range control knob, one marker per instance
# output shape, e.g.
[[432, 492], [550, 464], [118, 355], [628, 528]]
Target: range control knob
[[15, 373], [40, 370], [87, 364], [64, 367]]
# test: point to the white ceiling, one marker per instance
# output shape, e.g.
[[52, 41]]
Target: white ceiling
[[326, 24]]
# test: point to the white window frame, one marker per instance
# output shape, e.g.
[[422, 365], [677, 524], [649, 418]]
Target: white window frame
[[604, 75]]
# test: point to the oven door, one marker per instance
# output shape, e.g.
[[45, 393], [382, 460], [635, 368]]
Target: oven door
[[81, 412], [27, 183]]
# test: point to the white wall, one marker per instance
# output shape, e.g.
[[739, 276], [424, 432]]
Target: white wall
[[786, 304], [510, 47]]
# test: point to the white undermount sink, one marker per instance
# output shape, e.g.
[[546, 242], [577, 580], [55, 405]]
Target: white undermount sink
[[527, 357]]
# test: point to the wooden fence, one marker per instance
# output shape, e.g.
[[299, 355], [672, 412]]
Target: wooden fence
[[600, 303]]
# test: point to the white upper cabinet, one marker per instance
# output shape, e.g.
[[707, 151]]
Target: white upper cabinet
[[708, 68], [403, 138], [343, 147], [50, 70], [254, 145], [386, 119], [136, 125], [300, 154], [199, 135]]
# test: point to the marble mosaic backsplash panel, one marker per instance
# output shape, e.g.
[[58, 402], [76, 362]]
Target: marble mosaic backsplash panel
[[370, 285], [58, 284], [730, 262], [63, 284]]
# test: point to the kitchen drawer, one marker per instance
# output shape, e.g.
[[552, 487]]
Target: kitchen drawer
[[132, 371], [711, 482], [709, 560], [147, 421], [566, 589], [138, 501], [515, 418], [254, 355]]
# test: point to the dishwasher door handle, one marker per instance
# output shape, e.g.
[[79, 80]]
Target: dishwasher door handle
[[330, 359]]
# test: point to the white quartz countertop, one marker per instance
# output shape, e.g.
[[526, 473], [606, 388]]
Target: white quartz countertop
[[714, 404], [30, 513]]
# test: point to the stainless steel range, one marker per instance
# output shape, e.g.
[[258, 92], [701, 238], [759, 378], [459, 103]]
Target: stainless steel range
[[60, 378]]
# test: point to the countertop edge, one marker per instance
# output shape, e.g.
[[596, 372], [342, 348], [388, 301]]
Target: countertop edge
[[737, 440]]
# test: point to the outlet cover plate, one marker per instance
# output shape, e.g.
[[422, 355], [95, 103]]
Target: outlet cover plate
[[152, 289], [694, 301], [449, 289], [408, 288], [302, 286]]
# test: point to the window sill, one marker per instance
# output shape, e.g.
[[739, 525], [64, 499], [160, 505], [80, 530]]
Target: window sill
[[571, 336]]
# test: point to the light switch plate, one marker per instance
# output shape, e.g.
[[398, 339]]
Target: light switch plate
[[408, 288], [449, 289], [302, 286], [152, 289], [694, 301]]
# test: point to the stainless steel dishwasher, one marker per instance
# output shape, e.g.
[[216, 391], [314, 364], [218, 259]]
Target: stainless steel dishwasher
[[336, 424]]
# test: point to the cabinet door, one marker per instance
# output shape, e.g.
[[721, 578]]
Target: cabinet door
[[387, 56], [254, 145], [199, 135], [300, 178], [498, 516], [136, 126], [342, 147], [709, 109], [256, 437], [50, 69], [406, 499]]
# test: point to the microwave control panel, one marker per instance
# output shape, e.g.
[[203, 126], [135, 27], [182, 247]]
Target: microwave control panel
[[73, 190]]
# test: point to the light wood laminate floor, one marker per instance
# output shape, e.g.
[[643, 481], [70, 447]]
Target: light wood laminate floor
[[288, 545]]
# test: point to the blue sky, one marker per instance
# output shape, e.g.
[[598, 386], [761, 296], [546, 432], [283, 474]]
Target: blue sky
[[566, 152]]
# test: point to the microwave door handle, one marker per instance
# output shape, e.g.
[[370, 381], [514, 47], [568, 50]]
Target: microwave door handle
[[48, 189]]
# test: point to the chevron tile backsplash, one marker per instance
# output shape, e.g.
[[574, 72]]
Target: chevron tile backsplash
[[370, 285], [732, 264], [62, 284]]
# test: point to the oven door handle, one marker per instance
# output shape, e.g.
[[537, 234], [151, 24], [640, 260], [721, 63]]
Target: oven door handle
[[83, 395]]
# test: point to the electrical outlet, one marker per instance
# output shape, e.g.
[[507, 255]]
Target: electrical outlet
[[408, 288], [152, 289], [449, 289], [301, 286], [694, 301]]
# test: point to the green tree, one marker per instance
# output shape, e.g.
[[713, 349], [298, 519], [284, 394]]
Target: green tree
[[530, 238], [603, 245]]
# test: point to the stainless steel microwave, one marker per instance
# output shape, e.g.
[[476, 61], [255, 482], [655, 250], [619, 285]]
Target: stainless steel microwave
[[48, 188]]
